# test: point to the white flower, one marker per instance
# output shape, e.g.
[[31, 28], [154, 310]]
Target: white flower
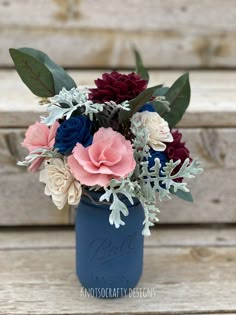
[[157, 127], [60, 183]]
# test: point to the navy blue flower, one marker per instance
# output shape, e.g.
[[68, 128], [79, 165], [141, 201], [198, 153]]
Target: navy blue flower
[[71, 131], [147, 107], [157, 154]]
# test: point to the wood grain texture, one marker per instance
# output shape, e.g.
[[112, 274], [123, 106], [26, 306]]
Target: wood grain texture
[[213, 191], [21, 196], [212, 101], [23, 238], [179, 33], [183, 279]]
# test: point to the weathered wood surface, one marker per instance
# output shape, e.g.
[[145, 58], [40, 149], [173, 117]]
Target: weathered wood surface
[[22, 196], [213, 101], [190, 271], [23, 201], [100, 33], [22, 238]]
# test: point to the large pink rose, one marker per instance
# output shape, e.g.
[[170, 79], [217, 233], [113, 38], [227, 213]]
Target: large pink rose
[[39, 136], [109, 156]]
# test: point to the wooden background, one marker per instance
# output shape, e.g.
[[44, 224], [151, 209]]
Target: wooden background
[[97, 34]]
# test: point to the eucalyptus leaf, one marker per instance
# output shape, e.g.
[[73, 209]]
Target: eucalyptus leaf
[[161, 91], [160, 107], [60, 77], [33, 73], [184, 195], [137, 102], [178, 95], [140, 69]]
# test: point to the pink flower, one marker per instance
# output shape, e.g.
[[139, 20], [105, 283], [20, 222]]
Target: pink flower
[[35, 165], [39, 136], [109, 156]]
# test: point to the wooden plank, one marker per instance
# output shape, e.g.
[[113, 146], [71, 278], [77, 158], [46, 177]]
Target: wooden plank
[[161, 236], [213, 191], [181, 30], [154, 10], [22, 197], [212, 103], [180, 280]]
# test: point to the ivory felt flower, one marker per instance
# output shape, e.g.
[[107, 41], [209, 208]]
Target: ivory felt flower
[[39, 136], [109, 156], [157, 127], [60, 183]]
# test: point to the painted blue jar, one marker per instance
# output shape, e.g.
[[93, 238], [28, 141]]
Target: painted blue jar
[[109, 261]]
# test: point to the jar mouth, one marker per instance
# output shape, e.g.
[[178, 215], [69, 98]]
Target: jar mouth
[[92, 197]]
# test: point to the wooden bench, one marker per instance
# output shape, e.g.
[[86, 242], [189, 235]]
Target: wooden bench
[[191, 270]]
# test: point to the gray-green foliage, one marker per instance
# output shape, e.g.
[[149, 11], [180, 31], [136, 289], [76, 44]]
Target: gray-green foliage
[[35, 154], [110, 110], [145, 181], [66, 102], [124, 187]]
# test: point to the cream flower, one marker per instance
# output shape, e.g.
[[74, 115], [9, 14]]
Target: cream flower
[[60, 183], [157, 127]]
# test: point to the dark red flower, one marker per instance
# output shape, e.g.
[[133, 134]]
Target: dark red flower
[[117, 87], [177, 150]]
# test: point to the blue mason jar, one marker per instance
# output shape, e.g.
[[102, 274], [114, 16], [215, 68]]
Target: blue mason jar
[[109, 260]]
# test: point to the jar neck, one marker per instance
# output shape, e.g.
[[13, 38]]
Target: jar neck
[[92, 197]]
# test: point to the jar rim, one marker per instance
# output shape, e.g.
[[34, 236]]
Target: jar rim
[[92, 197]]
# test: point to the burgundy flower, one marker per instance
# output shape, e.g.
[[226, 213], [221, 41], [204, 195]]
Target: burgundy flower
[[117, 87], [177, 150]]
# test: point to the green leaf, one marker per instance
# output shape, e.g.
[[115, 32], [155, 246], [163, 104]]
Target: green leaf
[[60, 77], [160, 107], [178, 96], [187, 196], [137, 102], [140, 69], [33, 73], [161, 91]]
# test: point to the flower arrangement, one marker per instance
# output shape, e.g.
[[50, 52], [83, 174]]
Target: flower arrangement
[[117, 137]]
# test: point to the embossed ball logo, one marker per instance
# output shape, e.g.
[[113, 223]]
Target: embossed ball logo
[[104, 250]]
